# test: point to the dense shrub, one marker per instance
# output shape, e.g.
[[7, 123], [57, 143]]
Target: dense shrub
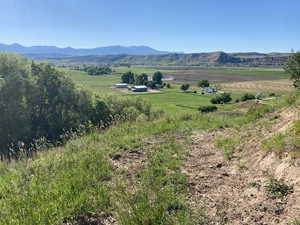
[[206, 109], [221, 99], [168, 85], [247, 97], [184, 87]]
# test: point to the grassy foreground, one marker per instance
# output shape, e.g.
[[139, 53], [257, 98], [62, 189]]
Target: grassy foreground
[[81, 179]]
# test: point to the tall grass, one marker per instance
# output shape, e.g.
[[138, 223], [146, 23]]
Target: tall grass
[[66, 182]]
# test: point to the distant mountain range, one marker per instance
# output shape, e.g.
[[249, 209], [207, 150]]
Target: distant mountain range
[[193, 59], [143, 55], [56, 51]]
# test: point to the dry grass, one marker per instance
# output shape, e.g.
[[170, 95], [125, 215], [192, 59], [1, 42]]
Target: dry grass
[[284, 85]]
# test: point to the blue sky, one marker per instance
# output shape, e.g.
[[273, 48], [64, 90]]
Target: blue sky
[[173, 25]]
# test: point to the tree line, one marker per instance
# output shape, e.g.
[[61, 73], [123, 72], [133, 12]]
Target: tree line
[[93, 70], [38, 102], [142, 79]]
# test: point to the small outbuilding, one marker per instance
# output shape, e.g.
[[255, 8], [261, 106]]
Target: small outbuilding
[[123, 85], [209, 90], [139, 88]]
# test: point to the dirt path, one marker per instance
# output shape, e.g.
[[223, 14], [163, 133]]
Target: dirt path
[[233, 192]]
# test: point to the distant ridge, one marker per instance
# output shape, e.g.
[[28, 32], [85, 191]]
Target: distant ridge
[[193, 59], [143, 55], [68, 51]]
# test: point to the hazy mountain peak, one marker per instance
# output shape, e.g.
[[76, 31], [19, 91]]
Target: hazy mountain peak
[[53, 50]]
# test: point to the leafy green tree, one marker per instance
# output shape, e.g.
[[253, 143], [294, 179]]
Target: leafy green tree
[[15, 125], [128, 77], [56, 105], [185, 87], [157, 77], [141, 79], [221, 99], [203, 83], [293, 68], [38, 102]]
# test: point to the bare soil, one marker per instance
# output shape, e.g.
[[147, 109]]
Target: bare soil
[[195, 76], [224, 187]]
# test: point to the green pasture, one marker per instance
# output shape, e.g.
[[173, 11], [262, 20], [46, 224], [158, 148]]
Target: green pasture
[[98, 84], [169, 99]]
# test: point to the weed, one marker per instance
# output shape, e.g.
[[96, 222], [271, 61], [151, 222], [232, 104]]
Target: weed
[[275, 144], [296, 221], [229, 145], [158, 196], [277, 188], [255, 184]]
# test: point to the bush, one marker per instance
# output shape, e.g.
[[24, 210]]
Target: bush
[[130, 113], [206, 109], [277, 188], [272, 94], [221, 99], [184, 87], [247, 97], [168, 85], [203, 83]]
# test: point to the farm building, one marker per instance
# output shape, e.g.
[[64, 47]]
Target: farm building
[[209, 90], [139, 88], [123, 85]]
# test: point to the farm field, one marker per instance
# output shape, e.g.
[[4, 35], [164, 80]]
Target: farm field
[[97, 84], [220, 76], [277, 86], [235, 81], [215, 74]]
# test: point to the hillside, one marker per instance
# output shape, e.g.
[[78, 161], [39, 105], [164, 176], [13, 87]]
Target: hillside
[[184, 169], [214, 58], [53, 51], [86, 153]]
